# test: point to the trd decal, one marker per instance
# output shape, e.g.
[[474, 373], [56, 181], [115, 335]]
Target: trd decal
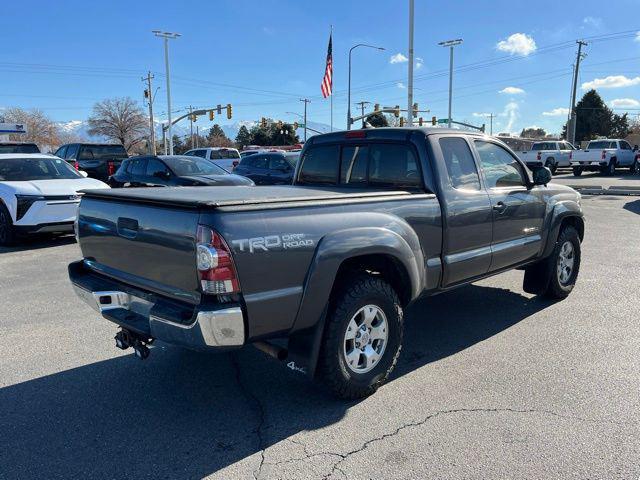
[[287, 241]]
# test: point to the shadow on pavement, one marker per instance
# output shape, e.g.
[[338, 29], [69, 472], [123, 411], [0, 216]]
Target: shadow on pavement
[[186, 415], [633, 206], [35, 242]]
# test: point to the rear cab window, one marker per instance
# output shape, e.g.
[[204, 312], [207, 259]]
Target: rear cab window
[[370, 164]]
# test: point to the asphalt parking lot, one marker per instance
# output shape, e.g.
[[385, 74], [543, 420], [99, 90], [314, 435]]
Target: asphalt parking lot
[[622, 179], [492, 383]]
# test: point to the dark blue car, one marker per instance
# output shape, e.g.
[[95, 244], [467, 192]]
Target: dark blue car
[[268, 168]]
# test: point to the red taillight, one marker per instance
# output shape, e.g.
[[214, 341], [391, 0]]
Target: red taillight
[[235, 163], [215, 264], [355, 134], [111, 168], [539, 157], [604, 155], [76, 165]]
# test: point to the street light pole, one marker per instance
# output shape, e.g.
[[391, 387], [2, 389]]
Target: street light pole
[[305, 100], [349, 88], [167, 36], [450, 44], [410, 73]]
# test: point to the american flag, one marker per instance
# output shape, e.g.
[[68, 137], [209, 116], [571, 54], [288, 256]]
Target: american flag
[[327, 81]]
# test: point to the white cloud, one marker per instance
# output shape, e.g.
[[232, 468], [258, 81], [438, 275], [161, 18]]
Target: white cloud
[[398, 58], [517, 44], [594, 22], [612, 81], [419, 63], [637, 39], [400, 85], [556, 112], [480, 114], [512, 91], [624, 103]]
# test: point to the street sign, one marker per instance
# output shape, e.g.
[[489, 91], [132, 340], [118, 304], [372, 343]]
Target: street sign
[[300, 125], [443, 120], [13, 128]]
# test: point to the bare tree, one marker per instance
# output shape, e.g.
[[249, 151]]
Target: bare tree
[[120, 119], [40, 128]]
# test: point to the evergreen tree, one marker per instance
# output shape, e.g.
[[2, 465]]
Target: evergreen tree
[[243, 138], [594, 118]]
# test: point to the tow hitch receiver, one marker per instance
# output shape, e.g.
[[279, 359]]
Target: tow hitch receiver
[[125, 339]]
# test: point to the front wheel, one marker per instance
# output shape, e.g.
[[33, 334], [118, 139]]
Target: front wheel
[[362, 339], [564, 264], [577, 171], [635, 167], [7, 234]]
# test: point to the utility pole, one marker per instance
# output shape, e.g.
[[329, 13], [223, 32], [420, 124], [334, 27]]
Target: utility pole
[[167, 36], [410, 79], [362, 105], [571, 129], [491, 115], [191, 123], [197, 136], [149, 96], [305, 100]]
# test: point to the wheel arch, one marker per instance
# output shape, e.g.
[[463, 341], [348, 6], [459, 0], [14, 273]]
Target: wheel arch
[[563, 214]]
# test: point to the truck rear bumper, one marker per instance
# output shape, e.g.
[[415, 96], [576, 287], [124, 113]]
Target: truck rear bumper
[[144, 313]]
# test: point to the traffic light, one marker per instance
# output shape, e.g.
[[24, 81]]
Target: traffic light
[[295, 125], [434, 120], [376, 107], [263, 122], [396, 111], [194, 117], [212, 115], [146, 93], [415, 109], [229, 111], [420, 121], [219, 109], [402, 121]]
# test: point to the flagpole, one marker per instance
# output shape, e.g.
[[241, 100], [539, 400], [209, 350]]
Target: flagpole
[[331, 36]]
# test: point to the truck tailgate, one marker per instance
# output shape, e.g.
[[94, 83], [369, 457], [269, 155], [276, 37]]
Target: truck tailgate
[[147, 246]]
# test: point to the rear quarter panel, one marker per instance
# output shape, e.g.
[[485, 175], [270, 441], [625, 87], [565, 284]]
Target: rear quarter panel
[[274, 250]]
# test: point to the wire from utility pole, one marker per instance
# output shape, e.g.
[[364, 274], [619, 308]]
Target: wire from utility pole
[[149, 96], [305, 100], [571, 129]]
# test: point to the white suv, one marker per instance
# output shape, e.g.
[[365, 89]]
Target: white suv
[[223, 157], [39, 193]]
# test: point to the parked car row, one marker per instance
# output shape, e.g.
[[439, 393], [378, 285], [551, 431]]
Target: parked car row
[[550, 154]]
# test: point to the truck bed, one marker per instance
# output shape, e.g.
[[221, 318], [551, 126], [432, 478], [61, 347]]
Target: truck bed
[[234, 196]]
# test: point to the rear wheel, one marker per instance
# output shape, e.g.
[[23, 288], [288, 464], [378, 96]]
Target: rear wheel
[[577, 171], [610, 169], [362, 339], [551, 165], [7, 234]]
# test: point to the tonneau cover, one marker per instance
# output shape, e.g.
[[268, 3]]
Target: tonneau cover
[[223, 196]]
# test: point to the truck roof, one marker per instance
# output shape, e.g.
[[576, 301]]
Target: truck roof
[[387, 133]]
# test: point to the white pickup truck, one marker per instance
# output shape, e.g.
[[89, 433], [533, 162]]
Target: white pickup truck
[[551, 154], [604, 156]]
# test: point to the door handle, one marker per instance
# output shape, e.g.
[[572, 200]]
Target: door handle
[[500, 207]]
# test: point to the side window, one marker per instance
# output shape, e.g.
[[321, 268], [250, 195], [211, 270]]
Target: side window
[[72, 151], [137, 166], [61, 151], [460, 164], [353, 164], [320, 165], [156, 168], [393, 165], [278, 163], [259, 161], [200, 153], [625, 146], [499, 167]]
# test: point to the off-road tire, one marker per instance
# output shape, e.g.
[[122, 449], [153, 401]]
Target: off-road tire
[[357, 292], [577, 171]]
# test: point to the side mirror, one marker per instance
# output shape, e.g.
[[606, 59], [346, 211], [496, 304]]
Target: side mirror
[[541, 175], [83, 173]]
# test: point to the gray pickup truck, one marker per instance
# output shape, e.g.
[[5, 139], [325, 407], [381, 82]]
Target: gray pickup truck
[[319, 272]]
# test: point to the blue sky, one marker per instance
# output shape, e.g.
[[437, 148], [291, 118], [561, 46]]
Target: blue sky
[[262, 56]]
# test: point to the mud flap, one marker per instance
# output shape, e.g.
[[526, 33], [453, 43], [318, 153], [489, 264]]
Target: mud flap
[[304, 348], [537, 277]]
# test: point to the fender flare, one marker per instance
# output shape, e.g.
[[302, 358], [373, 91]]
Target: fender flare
[[561, 211], [306, 334]]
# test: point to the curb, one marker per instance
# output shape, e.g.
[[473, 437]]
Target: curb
[[600, 190]]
